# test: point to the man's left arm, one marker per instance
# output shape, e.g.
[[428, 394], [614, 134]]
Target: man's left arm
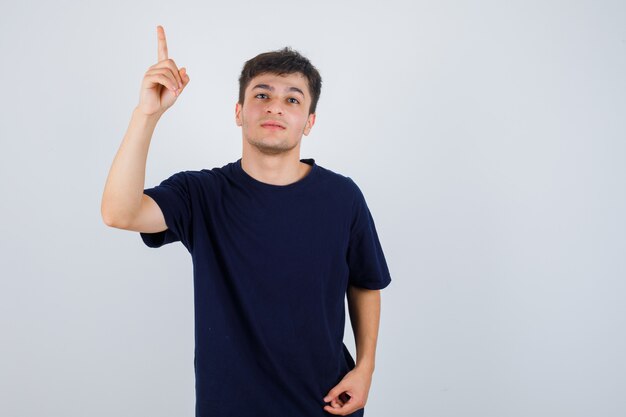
[[364, 308]]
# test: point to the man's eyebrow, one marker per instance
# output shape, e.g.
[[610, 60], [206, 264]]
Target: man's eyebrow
[[269, 87]]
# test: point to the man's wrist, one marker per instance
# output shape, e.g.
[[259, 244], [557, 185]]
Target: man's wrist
[[148, 118], [365, 366]]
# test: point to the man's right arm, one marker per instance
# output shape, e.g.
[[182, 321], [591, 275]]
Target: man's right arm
[[124, 205]]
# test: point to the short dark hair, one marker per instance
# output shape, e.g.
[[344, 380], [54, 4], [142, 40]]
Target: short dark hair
[[280, 62]]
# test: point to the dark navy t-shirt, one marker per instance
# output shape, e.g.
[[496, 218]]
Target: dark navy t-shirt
[[271, 267]]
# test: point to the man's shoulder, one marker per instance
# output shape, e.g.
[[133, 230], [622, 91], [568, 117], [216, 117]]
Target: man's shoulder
[[338, 180], [204, 174]]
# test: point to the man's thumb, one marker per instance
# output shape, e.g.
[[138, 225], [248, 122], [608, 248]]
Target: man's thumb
[[333, 393]]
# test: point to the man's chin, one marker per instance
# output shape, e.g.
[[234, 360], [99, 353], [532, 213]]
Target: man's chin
[[271, 148]]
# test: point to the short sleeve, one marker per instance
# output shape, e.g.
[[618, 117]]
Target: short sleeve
[[173, 196], [366, 260]]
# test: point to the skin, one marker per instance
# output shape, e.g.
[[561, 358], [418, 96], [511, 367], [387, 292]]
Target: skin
[[351, 393], [273, 156], [124, 205], [163, 82]]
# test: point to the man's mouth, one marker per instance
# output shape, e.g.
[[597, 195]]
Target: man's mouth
[[272, 125]]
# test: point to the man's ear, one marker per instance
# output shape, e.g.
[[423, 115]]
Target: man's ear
[[309, 124], [238, 108]]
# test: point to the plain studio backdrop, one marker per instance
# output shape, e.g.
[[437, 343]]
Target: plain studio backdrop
[[488, 139]]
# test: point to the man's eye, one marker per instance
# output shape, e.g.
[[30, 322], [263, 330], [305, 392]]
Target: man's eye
[[290, 98]]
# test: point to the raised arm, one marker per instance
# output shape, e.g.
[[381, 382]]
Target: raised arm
[[124, 205]]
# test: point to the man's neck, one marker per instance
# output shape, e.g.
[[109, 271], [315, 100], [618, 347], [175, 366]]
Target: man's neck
[[275, 169]]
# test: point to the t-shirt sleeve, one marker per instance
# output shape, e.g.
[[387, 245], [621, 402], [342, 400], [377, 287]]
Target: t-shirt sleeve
[[173, 196], [366, 260]]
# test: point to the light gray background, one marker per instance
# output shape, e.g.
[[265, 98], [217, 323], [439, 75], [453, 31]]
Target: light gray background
[[487, 137]]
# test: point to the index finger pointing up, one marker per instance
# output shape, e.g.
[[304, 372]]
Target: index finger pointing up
[[162, 43]]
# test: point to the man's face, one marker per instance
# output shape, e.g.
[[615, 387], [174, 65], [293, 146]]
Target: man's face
[[282, 99]]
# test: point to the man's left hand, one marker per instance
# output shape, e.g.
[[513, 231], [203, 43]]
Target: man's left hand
[[356, 384]]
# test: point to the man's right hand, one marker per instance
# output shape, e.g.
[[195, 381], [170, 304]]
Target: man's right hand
[[162, 83]]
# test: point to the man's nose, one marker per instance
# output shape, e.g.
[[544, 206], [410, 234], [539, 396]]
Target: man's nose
[[274, 107]]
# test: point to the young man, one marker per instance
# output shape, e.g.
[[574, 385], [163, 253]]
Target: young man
[[277, 243]]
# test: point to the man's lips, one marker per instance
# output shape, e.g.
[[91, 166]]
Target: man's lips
[[272, 125]]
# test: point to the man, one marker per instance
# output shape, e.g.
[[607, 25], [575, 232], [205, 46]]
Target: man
[[277, 243]]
